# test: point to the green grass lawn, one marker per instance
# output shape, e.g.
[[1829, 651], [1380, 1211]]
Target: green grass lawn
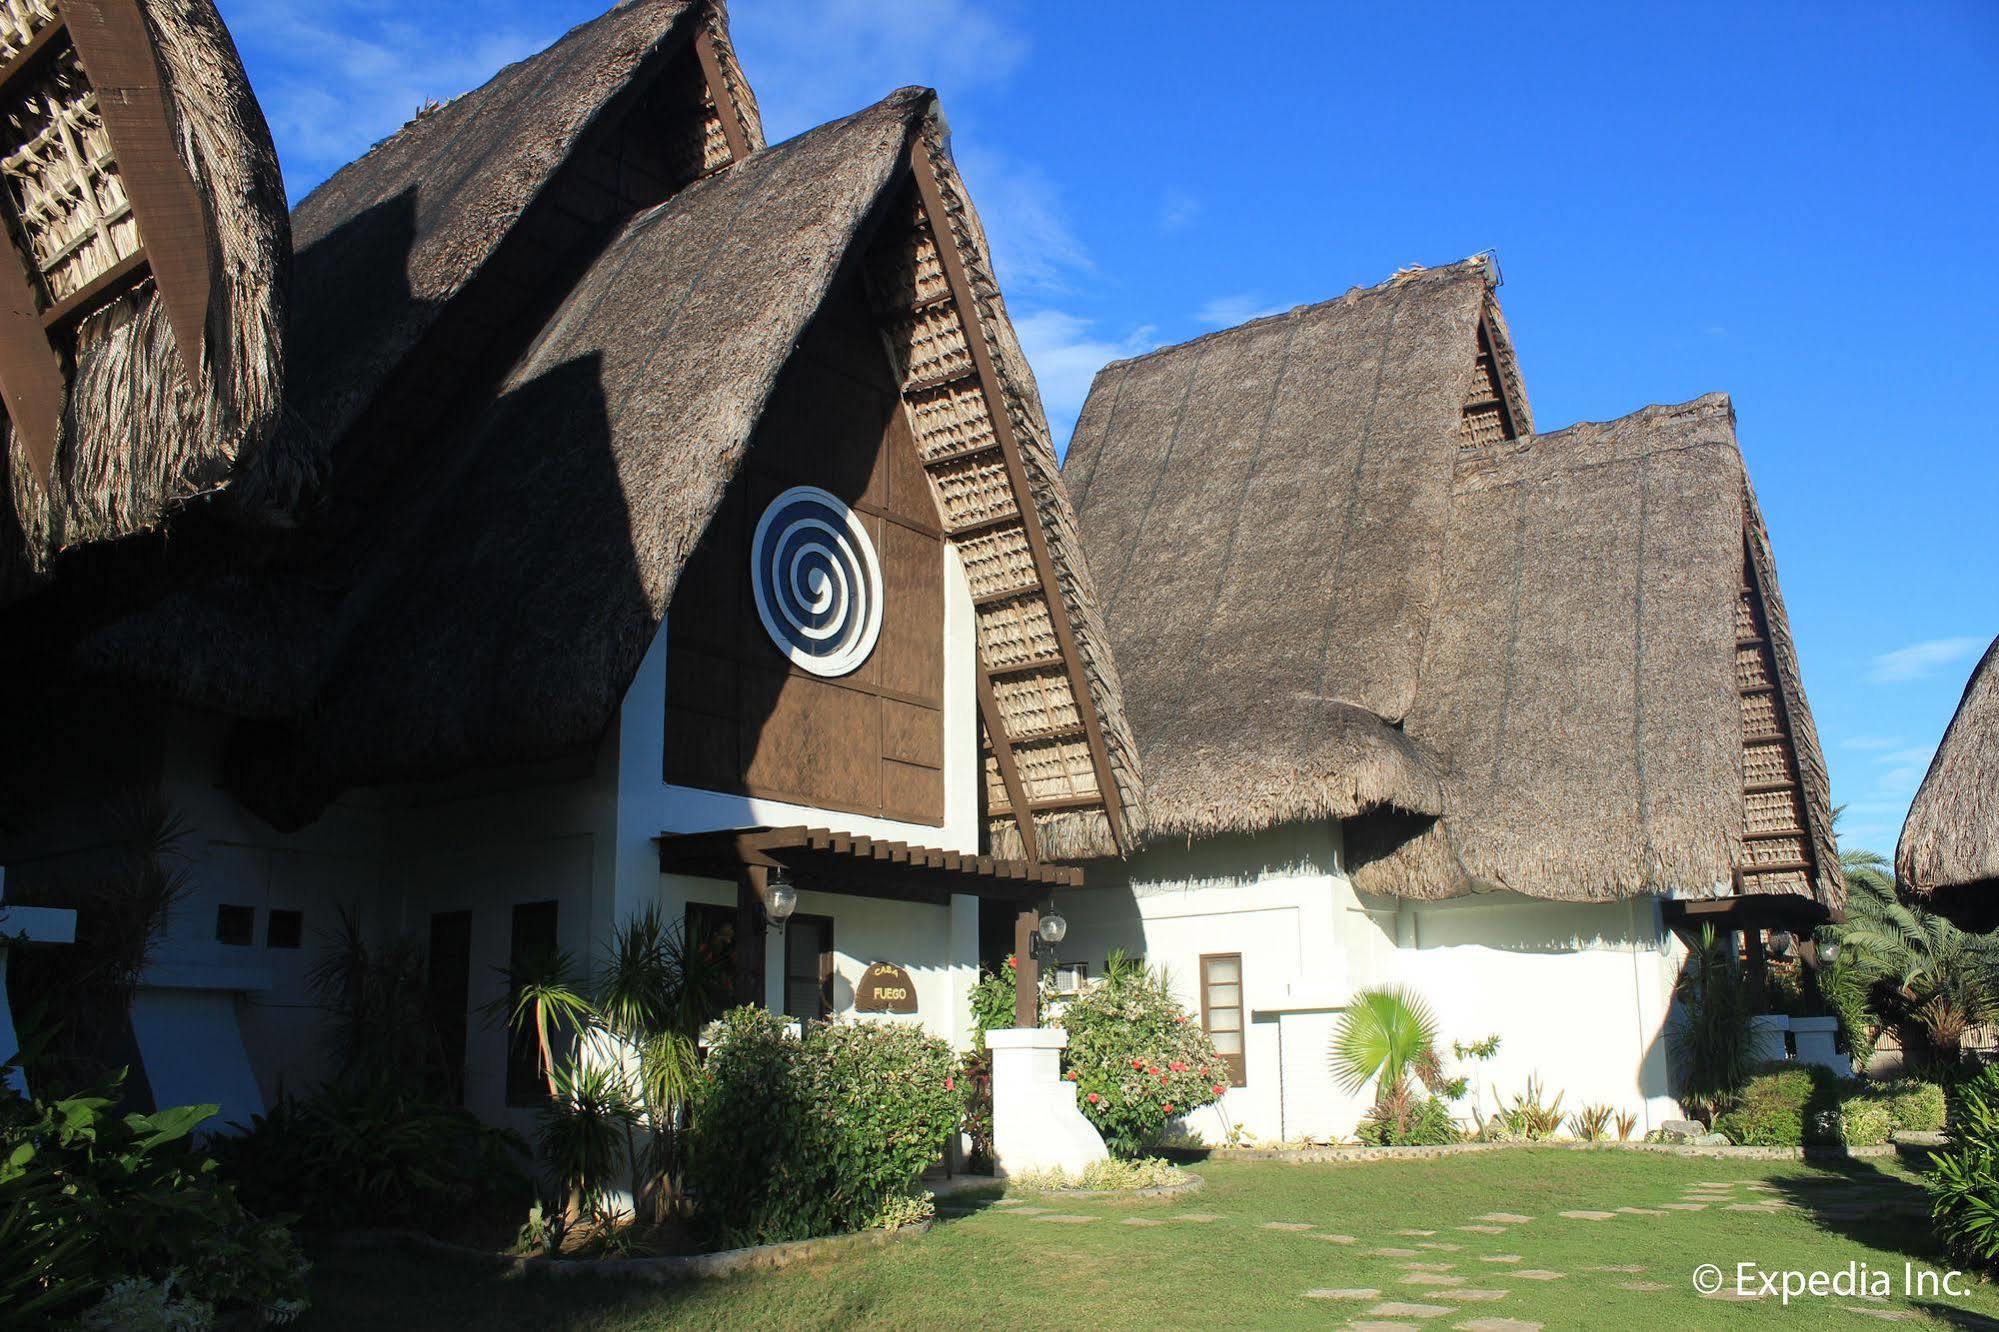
[[995, 1263]]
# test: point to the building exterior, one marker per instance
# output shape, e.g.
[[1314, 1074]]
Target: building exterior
[[686, 520], [1948, 857], [1426, 699]]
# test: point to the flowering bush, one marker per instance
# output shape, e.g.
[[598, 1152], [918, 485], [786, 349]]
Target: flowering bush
[[793, 1138], [1137, 1058]]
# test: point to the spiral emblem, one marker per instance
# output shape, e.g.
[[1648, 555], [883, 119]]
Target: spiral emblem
[[818, 584]]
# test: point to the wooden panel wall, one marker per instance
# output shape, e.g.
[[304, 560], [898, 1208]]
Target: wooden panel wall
[[740, 717]]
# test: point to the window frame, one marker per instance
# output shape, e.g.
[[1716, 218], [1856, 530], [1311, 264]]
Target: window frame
[[824, 925], [1238, 1063]]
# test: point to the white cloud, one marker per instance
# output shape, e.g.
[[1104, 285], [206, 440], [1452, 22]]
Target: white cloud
[[1026, 223], [1228, 311], [1177, 210], [1066, 354], [814, 60], [1919, 661]]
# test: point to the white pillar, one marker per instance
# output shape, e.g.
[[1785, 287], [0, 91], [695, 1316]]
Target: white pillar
[[1814, 1037], [1766, 1037], [1036, 1125]]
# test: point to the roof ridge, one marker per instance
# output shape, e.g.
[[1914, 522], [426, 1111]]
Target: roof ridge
[[1713, 403], [1455, 271]]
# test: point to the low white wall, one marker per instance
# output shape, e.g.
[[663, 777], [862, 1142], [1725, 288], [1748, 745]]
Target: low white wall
[[1577, 993]]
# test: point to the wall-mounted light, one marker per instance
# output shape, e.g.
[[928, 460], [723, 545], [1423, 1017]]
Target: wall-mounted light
[[1054, 929], [1782, 943], [780, 899]]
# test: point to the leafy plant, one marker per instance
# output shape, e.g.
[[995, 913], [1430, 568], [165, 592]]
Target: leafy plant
[[1138, 1059], [373, 1154], [1406, 1119], [1964, 1178], [1627, 1124], [1784, 1105], [377, 1006], [582, 1136], [1388, 1037], [1713, 1045], [1528, 1118], [1917, 1106], [544, 996], [1591, 1123], [93, 1198], [795, 1137], [904, 1209]]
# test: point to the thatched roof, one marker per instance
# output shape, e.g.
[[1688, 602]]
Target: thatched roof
[[1218, 479], [1949, 851], [141, 431], [1332, 596], [391, 239]]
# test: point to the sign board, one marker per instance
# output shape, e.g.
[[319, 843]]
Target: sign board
[[885, 988]]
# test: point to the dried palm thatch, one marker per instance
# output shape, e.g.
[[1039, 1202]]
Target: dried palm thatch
[[1338, 591], [141, 431], [1949, 850], [1264, 510]]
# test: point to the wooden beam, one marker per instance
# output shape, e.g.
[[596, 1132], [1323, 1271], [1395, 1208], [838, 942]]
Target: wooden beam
[[127, 272], [1016, 795], [1026, 971], [725, 102], [31, 381], [959, 281], [116, 49]]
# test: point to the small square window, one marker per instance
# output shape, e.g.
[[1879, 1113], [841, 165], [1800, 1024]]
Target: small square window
[[235, 925], [284, 929]]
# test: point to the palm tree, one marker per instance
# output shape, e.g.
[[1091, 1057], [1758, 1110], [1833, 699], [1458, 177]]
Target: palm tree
[[543, 994], [1924, 973], [1384, 1036], [1712, 1045]]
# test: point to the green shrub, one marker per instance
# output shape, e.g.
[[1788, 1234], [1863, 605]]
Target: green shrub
[[1409, 1120], [92, 1201], [1964, 1179], [1918, 1106], [1137, 1059], [1527, 1119], [1865, 1121], [1784, 1105], [376, 1155], [793, 1138]]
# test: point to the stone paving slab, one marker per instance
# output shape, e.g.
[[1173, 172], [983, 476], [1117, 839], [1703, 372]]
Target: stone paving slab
[[1617, 1267], [1484, 1230], [1196, 1216], [1331, 1238], [1376, 1325], [1640, 1211], [1143, 1221], [1030, 1211], [1478, 1296], [1066, 1219], [1509, 1218], [1414, 1266], [1417, 1234], [1430, 1279], [1497, 1325], [1590, 1216], [1500, 1258], [1685, 1206], [1344, 1293], [1395, 1253], [1399, 1309], [1287, 1225], [1539, 1274], [1440, 1247]]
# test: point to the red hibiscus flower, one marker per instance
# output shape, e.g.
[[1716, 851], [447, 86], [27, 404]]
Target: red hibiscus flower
[[1220, 1090], [1177, 1066], [950, 1084], [1094, 1098], [1011, 963], [1153, 1071], [1138, 1063], [1169, 1107]]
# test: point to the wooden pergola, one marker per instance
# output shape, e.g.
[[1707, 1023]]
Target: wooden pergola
[[824, 860]]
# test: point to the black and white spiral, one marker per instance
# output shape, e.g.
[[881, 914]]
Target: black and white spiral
[[818, 584]]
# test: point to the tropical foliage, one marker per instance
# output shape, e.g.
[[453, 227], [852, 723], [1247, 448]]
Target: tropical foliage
[[94, 1203], [1964, 1180], [797, 1136], [1388, 1037], [1713, 1044], [1138, 1059]]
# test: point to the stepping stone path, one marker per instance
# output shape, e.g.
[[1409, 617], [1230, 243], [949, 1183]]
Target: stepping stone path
[[1501, 1258], [1497, 1325], [1425, 1267], [1618, 1267], [1441, 1247], [1509, 1218], [1591, 1216], [1196, 1216], [1394, 1253], [1485, 1230], [1143, 1221], [1417, 1234], [1640, 1211], [1374, 1325], [1430, 1279], [1685, 1206], [1061, 1219], [1397, 1309], [1539, 1274], [1350, 1293], [1007, 1202], [1479, 1296], [1287, 1225], [1332, 1239], [1030, 1211]]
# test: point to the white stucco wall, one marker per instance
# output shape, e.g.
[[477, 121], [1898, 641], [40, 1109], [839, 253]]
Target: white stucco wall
[[1577, 993]]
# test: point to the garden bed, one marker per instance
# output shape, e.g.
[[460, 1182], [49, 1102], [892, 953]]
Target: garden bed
[[1341, 1154]]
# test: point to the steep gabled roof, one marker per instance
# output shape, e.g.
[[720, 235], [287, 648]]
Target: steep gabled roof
[[1609, 680], [1949, 849], [1264, 510], [387, 242]]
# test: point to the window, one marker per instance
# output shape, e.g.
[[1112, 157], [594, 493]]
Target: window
[[531, 950], [284, 929], [1070, 977], [1222, 1010], [808, 968], [711, 932], [235, 925]]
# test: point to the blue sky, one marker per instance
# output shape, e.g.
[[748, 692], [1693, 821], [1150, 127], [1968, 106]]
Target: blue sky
[[1794, 203]]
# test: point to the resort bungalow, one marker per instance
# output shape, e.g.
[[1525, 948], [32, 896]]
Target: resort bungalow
[[1948, 857], [678, 527], [1426, 699]]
